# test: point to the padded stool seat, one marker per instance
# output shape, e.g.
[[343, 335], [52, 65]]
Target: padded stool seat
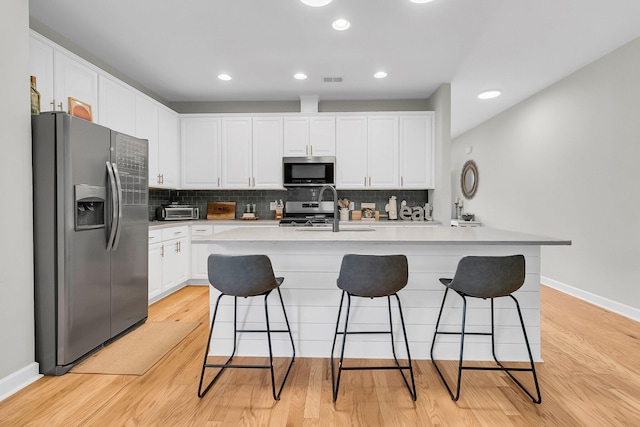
[[486, 277], [244, 276], [371, 276]]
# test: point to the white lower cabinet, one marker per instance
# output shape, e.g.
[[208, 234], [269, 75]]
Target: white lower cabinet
[[169, 260]]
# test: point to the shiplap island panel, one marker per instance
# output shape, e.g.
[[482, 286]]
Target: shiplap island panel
[[309, 259]]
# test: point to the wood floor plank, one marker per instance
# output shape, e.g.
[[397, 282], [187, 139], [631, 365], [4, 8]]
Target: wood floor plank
[[590, 377]]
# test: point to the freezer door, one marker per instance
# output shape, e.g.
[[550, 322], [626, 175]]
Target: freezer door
[[83, 296]]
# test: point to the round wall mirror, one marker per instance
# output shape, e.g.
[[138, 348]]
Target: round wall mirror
[[469, 179]]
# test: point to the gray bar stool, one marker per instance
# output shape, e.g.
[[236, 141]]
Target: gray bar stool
[[371, 276], [244, 276], [486, 277]]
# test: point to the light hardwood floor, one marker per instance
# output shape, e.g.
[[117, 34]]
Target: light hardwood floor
[[590, 377]]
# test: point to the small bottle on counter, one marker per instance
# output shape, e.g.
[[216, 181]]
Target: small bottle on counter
[[35, 97]]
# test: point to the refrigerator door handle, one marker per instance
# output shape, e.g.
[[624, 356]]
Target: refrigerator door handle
[[114, 204], [116, 240]]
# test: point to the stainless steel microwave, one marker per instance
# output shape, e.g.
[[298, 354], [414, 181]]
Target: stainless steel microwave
[[308, 171]]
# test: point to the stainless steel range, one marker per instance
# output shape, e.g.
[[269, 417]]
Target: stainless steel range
[[308, 214]]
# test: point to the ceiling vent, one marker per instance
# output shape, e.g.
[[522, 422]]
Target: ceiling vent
[[332, 79]]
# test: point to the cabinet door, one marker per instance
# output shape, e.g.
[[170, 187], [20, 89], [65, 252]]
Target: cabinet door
[[147, 128], [416, 151], [182, 265], [383, 152], [75, 79], [169, 148], [267, 152], [200, 152], [236, 153], [296, 136], [170, 264], [117, 106], [322, 136], [351, 152], [155, 270], [41, 66]]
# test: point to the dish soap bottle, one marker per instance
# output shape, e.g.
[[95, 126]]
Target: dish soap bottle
[[35, 97]]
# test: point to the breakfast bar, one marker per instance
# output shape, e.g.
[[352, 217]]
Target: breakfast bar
[[309, 259]]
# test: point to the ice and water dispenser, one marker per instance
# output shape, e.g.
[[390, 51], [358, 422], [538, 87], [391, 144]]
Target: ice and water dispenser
[[89, 206]]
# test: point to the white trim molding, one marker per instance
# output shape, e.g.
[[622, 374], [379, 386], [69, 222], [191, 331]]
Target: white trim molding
[[614, 306], [19, 380]]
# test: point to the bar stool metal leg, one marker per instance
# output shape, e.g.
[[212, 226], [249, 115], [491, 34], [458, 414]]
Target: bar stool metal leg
[[455, 396], [268, 331], [335, 379]]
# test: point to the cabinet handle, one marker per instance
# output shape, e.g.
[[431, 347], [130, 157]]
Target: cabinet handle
[[306, 150], [162, 251], [161, 178], [311, 149], [53, 104], [60, 106], [175, 233], [158, 181], [369, 181], [177, 246], [151, 237], [254, 181], [365, 181], [218, 181], [249, 181], [402, 181], [201, 229]]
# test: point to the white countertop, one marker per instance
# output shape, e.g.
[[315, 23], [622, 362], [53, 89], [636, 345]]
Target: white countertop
[[404, 235], [271, 222]]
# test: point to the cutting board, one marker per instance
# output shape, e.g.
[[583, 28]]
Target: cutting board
[[221, 210]]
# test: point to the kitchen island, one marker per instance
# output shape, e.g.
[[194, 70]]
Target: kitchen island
[[310, 258]]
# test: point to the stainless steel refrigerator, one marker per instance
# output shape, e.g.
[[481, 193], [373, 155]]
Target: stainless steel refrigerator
[[90, 237]]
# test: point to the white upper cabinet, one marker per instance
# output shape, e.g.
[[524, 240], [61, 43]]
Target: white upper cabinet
[[168, 148], [267, 152], [237, 170], [41, 66], [146, 115], [309, 136], [416, 151], [382, 156], [200, 152], [252, 153], [351, 152], [73, 78], [117, 106], [60, 75]]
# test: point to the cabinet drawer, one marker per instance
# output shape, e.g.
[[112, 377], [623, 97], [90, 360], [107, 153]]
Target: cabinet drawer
[[155, 236], [175, 232], [201, 230]]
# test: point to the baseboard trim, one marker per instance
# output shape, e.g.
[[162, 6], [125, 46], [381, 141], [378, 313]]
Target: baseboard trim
[[614, 306], [19, 380]]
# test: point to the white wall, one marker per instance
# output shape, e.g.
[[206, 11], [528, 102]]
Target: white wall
[[564, 163], [16, 252]]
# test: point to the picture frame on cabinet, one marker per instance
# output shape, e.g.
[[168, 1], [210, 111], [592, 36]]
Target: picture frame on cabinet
[[80, 109]]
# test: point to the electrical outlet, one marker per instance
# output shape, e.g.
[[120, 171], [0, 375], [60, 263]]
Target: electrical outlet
[[272, 206]]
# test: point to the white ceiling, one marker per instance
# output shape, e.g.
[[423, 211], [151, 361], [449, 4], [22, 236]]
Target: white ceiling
[[176, 48]]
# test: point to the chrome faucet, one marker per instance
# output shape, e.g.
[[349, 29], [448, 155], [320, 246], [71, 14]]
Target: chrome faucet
[[335, 205]]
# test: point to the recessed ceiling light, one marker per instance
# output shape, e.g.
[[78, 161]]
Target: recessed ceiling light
[[341, 24], [380, 75], [316, 3], [420, 1], [224, 77], [488, 94], [300, 76]]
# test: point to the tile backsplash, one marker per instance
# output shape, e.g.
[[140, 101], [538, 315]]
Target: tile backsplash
[[261, 198]]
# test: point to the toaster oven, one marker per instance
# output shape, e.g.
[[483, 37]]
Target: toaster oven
[[177, 212]]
